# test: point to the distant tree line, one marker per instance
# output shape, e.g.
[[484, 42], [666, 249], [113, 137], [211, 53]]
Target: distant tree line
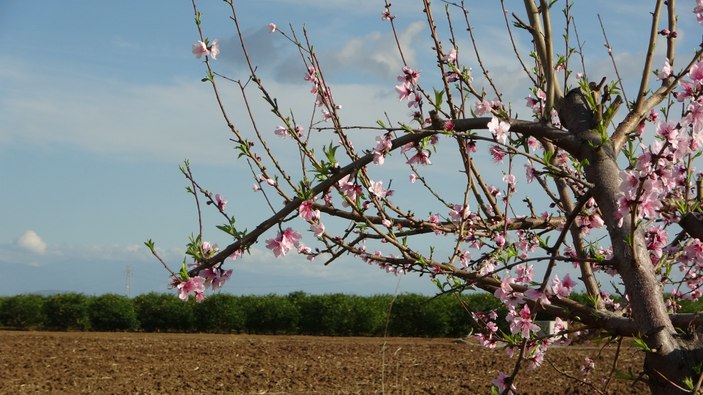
[[295, 313]]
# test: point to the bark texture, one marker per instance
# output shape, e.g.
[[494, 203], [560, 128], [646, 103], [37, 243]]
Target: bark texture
[[671, 358]]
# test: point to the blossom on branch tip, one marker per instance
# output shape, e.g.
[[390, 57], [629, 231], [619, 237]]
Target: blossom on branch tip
[[386, 14], [221, 202], [272, 27]]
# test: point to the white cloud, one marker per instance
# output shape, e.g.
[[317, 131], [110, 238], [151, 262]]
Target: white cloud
[[166, 122], [32, 242], [380, 53]]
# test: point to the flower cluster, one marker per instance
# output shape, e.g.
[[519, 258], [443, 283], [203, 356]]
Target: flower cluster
[[205, 48], [284, 242], [499, 129], [383, 146], [407, 88]]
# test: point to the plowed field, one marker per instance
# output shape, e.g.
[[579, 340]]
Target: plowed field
[[147, 363]]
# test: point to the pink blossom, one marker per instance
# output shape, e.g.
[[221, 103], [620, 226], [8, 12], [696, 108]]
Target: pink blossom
[[290, 237], [668, 130], [193, 286], [499, 239], [501, 382], [272, 27], [696, 73], [556, 122], [376, 189], [413, 178], [415, 100], [499, 129], [386, 14], [209, 249], [269, 181], [698, 11], [383, 145], [665, 72], [307, 211], [459, 212], [421, 158], [214, 49], [311, 76], [409, 75], [284, 242], [650, 205], [404, 90], [525, 273], [451, 56], [562, 288], [529, 172], [538, 296], [221, 202], [509, 179], [318, 229], [694, 117], [506, 294], [200, 49], [533, 143], [276, 245], [349, 189], [434, 218], [497, 153], [216, 277], [522, 322], [482, 107]]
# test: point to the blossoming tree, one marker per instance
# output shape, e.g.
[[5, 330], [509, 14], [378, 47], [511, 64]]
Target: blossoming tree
[[617, 175]]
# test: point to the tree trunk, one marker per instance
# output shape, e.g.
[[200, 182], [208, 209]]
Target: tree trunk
[[667, 372], [671, 358]]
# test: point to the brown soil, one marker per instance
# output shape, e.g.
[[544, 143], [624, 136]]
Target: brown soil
[[147, 363]]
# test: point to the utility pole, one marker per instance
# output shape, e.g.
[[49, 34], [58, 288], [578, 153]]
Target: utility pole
[[128, 280]]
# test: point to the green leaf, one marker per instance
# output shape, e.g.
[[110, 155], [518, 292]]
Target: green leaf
[[184, 271], [438, 98], [639, 343]]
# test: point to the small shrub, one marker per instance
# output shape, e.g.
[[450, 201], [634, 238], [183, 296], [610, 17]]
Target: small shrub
[[68, 311], [164, 312], [417, 315], [112, 312], [220, 313], [270, 314], [23, 312]]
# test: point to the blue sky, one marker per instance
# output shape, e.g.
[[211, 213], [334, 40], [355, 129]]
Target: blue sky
[[101, 101]]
